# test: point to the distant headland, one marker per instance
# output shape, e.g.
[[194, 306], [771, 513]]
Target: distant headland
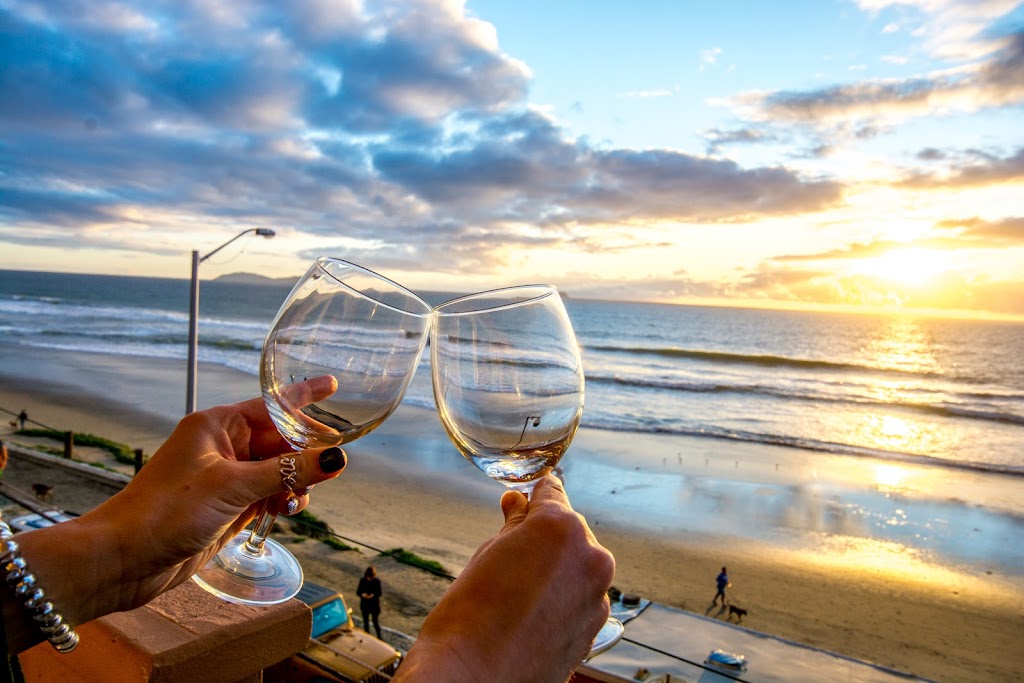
[[254, 279]]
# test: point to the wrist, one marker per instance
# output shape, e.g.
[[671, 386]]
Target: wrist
[[77, 564], [454, 645], [430, 660]]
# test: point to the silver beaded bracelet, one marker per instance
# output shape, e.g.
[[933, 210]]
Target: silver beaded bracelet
[[60, 634]]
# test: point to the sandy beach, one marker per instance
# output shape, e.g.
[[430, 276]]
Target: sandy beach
[[672, 510]]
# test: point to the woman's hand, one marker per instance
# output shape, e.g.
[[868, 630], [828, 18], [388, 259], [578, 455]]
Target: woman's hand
[[527, 606], [201, 487]]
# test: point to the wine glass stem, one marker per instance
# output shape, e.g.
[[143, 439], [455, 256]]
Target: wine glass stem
[[264, 523]]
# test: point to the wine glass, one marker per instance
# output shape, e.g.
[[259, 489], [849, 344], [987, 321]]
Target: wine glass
[[339, 320], [508, 382]]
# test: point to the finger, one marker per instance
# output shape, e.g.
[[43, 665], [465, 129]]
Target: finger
[[549, 491], [293, 471], [254, 411], [513, 506], [301, 394], [266, 438], [288, 504]]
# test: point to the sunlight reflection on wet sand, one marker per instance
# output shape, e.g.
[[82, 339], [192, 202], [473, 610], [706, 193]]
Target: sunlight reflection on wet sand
[[855, 512]]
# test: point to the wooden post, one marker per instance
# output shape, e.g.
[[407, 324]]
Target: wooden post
[[69, 445], [138, 460]]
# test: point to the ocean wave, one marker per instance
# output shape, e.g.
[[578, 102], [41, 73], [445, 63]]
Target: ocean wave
[[137, 336], [259, 327], [60, 310], [761, 360], [232, 344], [941, 409], [45, 299], [158, 346], [75, 314], [147, 351], [141, 337]]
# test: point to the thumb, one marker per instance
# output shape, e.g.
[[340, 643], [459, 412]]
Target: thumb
[[513, 506]]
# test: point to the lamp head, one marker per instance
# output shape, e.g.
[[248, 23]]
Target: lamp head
[[265, 232]]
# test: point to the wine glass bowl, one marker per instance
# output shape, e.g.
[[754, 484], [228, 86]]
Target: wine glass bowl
[[341, 320], [508, 380], [362, 333]]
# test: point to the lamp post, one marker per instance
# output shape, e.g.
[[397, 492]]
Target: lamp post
[[193, 316]]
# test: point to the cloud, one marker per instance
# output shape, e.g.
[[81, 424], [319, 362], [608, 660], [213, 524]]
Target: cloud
[[979, 51], [1005, 232], [952, 29], [718, 138], [952, 233], [839, 112], [709, 57], [769, 281], [674, 286], [973, 168], [851, 251], [773, 282], [396, 126], [931, 154], [647, 94], [545, 179]]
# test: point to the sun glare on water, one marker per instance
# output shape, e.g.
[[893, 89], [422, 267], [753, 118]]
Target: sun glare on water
[[908, 266]]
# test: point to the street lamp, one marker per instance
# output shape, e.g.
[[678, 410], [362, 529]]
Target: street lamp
[[193, 316]]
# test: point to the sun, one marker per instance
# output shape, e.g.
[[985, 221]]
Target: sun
[[913, 266]]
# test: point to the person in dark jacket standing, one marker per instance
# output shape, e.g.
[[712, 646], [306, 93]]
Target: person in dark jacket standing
[[370, 591], [721, 582]]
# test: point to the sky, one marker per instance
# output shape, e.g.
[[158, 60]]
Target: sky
[[847, 154]]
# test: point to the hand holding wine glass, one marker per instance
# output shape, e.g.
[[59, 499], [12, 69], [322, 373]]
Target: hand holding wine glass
[[527, 603], [508, 382], [345, 324]]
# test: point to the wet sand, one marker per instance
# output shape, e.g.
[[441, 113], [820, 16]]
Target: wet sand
[[672, 510]]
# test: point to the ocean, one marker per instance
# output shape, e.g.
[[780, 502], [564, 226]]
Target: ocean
[[917, 389]]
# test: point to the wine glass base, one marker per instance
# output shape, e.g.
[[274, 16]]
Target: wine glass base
[[609, 634], [237, 575]]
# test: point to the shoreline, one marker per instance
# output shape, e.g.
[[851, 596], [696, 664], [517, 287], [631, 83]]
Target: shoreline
[[872, 601]]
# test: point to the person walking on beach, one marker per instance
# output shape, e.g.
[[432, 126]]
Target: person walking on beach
[[370, 590], [721, 582], [22, 417]]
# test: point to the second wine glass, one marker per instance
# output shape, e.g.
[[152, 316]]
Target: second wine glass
[[508, 380], [339, 320]]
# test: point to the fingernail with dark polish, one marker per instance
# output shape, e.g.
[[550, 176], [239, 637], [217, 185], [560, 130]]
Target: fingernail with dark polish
[[332, 460]]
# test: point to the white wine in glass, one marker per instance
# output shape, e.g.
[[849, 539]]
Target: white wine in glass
[[347, 322], [508, 383]]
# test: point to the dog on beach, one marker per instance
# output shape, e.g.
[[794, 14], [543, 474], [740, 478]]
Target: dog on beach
[[14, 424], [43, 492], [738, 611]]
